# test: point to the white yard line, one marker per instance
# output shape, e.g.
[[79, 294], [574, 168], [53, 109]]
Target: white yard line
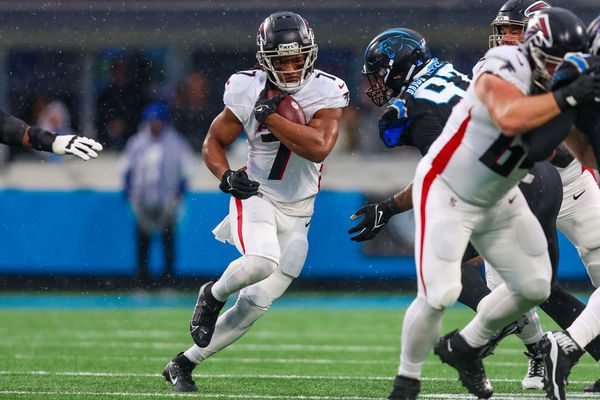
[[444, 396], [251, 376], [258, 360]]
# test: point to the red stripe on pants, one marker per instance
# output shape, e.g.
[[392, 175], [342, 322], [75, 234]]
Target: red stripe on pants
[[238, 206], [438, 165]]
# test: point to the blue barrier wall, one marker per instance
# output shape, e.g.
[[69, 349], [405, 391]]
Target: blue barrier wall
[[91, 233]]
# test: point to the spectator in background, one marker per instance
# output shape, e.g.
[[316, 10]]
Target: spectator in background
[[191, 109], [157, 164], [54, 117], [118, 107]]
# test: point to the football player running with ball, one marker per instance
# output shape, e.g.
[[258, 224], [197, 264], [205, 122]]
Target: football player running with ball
[[273, 194]]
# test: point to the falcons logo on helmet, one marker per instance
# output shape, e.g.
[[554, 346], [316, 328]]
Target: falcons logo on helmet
[[539, 31], [535, 7]]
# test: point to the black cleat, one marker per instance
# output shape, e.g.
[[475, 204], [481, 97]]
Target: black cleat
[[512, 328], [178, 372], [593, 388], [453, 350], [561, 353], [405, 388], [205, 315]]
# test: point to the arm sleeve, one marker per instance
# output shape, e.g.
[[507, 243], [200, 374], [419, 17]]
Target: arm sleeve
[[15, 132], [541, 141]]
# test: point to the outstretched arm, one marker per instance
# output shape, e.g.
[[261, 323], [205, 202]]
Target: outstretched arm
[[376, 215], [15, 132]]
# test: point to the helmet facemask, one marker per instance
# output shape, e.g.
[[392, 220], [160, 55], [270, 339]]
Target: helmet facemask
[[380, 90], [545, 65], [497, 38], [280, 78], [377, 91]]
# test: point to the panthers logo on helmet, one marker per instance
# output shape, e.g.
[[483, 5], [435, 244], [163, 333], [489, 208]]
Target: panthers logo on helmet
[[535, 7], [539, 31], [389, 48]]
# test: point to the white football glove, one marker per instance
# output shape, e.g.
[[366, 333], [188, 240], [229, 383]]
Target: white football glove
[[80, 146]]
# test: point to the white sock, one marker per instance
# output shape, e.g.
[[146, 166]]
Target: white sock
[[532, 331], [587, 325], [496, 310], [421, 328]]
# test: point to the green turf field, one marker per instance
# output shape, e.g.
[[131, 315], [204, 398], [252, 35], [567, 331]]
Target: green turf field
[[288, 354]]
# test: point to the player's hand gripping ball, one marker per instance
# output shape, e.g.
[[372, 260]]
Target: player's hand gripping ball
[[272, 101]]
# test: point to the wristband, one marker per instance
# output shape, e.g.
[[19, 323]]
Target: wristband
[[391, 203]]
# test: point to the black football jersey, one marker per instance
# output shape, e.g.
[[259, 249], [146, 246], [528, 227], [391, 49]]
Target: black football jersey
[[429, 102]]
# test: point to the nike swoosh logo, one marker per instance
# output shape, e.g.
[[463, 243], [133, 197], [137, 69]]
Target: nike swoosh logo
[[513, 199], [308, 223], [173, 379], [378, 219], [341, 86], [576, 196]]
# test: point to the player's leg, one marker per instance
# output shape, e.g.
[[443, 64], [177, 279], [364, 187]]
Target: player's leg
[[254, 229], [474, 288], [254, 232], [255, 300], [563, 349], [578, 220], [441, 238], [516, 240]]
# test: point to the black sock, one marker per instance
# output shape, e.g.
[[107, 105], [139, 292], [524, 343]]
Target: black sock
[[473, 286]]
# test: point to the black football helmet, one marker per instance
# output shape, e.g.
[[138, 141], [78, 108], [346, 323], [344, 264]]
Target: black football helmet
[[514, 12], [549, 35], [593, 32], [286, 34], [391, 61]]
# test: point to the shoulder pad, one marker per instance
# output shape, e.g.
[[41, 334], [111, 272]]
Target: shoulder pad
[[330, 86], [241, 81]]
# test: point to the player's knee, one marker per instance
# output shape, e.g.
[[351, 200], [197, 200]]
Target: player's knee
[[587, 230], [260, 267], [535, 291], [255, 297], [444, 297], [593, 269]]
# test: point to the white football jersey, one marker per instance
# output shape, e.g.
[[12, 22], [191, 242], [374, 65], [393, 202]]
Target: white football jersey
[[471, 155], [283, 175]]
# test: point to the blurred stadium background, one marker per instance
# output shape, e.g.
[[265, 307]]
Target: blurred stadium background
[[66, 224]]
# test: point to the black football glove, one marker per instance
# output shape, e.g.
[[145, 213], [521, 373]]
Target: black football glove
[[375, 217], [576, 80], [238, 184], [265, 107], [393, 123]]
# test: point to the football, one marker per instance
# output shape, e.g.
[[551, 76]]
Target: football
[[289, 108]]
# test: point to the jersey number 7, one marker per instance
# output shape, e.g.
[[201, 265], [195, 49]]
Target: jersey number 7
[[281, 159]]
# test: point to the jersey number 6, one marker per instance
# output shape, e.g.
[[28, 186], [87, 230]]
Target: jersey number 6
[[503, 158]]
